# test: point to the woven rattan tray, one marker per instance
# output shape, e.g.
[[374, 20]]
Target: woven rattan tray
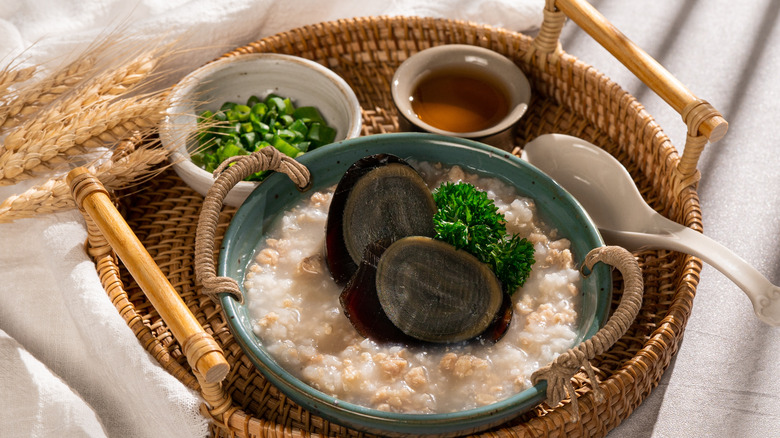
[[570, 97]]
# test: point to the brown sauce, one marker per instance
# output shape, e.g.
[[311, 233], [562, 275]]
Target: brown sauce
[[459, 101]]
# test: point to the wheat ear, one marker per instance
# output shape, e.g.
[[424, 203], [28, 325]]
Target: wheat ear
[[100, 86], [99, 90], [46, 143], [54, 195], [111, 84], [31, 99], [9, 77]]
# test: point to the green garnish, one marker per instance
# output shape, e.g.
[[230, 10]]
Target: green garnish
[[240, 129], [469, 220]]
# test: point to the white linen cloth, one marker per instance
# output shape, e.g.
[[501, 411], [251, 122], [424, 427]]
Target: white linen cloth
[[69, 365]]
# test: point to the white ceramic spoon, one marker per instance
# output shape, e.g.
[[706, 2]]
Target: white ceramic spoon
[[608, 193]]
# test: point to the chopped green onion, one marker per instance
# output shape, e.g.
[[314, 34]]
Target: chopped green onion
[[299, 126], [286, 120], [308, 113], [252, 101], [239, 129], [284, 147], [242, 112], [277, 103], [320, 134], [248, 141]]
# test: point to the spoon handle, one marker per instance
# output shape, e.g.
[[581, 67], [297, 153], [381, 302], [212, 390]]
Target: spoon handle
[[764, 295]]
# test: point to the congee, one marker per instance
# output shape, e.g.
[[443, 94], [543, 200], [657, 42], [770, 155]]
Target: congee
[[294, 305]]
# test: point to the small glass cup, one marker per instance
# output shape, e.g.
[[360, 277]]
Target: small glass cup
[[481, 62]]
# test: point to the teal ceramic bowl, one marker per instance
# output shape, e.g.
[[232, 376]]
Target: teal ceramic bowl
[[327, 165]]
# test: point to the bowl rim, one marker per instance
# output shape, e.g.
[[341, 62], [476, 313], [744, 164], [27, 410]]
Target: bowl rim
[[180, 157], [512, 117], [369, 419]]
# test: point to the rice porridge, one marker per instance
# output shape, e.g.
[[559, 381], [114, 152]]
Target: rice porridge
[[295, 309]]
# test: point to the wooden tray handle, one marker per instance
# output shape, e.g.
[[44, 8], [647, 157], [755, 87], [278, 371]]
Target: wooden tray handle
[[203, 353], [704, 122]]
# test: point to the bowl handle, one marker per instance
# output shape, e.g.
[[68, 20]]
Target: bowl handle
[[227, 176], [559, 372], [704, 122]]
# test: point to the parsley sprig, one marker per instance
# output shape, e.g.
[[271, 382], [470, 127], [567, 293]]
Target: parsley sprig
[[469, 220]]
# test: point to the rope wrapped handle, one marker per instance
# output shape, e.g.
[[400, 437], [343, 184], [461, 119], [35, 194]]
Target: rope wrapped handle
[[705, 124], [227, 176], [203, 353], [559, 372]]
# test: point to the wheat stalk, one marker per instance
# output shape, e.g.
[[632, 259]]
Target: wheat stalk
[[9, 77], [111, 84], [125, 168], [45, 143], [31, 99], [103, 87], [85, 114], [111, 121]]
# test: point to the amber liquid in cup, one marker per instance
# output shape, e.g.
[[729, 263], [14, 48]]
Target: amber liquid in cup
[[460, 101]]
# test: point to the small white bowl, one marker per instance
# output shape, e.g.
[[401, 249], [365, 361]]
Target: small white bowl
[[462, 57], [235, 79]]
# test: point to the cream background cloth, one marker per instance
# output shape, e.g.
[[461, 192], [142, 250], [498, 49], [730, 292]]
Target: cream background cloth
[[69, 365]]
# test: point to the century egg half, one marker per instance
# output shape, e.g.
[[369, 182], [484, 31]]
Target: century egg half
[[400, 284]]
